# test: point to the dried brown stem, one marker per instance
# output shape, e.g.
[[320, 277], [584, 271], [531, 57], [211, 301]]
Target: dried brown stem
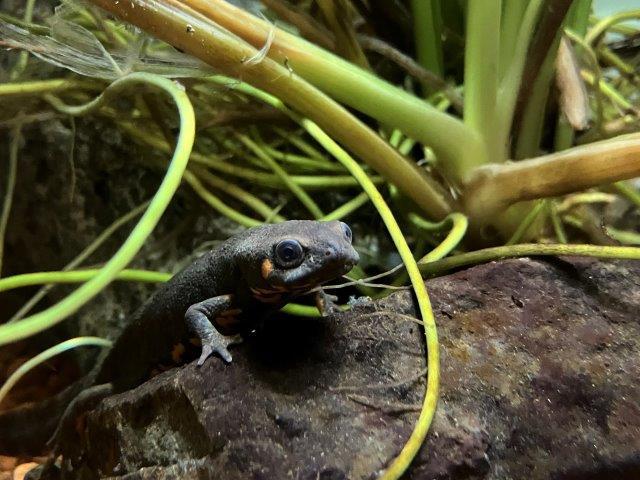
[[493, 188]]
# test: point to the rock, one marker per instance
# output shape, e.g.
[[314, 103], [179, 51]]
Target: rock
[[540, 361]]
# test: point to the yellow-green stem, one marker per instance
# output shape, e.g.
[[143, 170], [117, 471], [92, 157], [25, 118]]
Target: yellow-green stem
[[524, 250], [78, 276], [69, 305], [46, 355], [166, 20]]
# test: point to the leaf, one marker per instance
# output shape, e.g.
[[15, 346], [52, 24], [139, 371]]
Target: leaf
[[574, 100]]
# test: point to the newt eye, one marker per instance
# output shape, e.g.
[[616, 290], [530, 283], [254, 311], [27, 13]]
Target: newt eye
[[289, 253], [347, 232]]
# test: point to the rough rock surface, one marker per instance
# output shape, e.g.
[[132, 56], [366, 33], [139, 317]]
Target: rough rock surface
[[540, 368]]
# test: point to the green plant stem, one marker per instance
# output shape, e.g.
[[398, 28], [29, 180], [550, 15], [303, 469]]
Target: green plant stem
[[427, 30], [600, 28], [527, 221], [262, 178], [23, 56], [300, 310], [607, 56], [629, 192], [459, 224], [38, 87], [217, 204], [624, 237], [347, 208], [485, 255], [510, 83], [512, 14], [238, 193], [46, 355], [12, 171], [563, 136], [609, 91], [622, 29], [78, 276], [557, 222], [351, 85], [69, 305], [303, 162], [284, 177], [402, 461], [81, 257], [481, 74], [166, 20], [30, 26], [578, 19]]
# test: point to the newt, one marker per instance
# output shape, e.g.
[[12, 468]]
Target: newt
[[221, 296]]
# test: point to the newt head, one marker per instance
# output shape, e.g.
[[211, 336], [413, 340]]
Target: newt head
[[295, 256]]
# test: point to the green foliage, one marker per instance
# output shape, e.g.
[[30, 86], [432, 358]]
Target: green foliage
[[455, 170]]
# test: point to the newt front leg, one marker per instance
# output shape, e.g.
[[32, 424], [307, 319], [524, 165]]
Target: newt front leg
[[200, 318]]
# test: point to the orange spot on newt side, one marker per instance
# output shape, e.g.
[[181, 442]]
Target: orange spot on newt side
[[177, 352], [267, 268]]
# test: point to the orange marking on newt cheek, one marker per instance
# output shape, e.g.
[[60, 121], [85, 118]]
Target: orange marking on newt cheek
[[267, 268]]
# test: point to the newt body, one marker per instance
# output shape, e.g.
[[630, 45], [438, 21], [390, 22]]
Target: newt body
[[232, 289]]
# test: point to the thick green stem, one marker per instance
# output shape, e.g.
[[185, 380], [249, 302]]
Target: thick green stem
[[510, 83], [453, 142], [427, 30], [205, 40], [512, 14], [533, 116], [481, 74]]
